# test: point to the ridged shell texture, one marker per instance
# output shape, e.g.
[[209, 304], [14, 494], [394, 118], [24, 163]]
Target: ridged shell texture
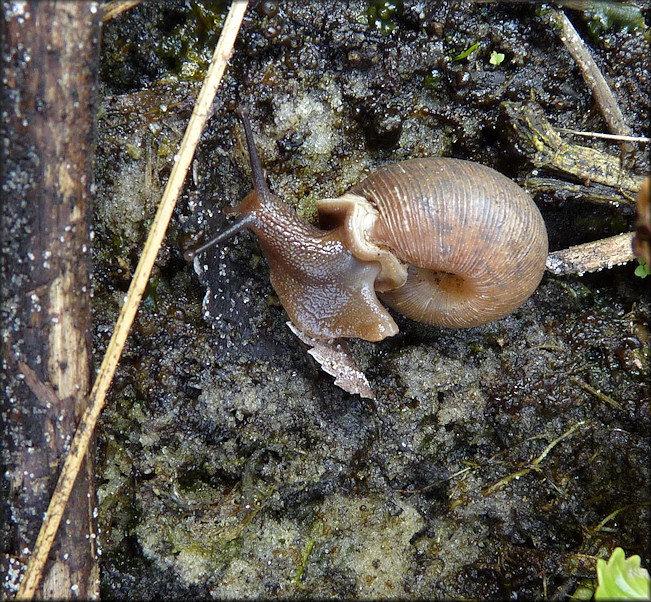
[[475, 241]]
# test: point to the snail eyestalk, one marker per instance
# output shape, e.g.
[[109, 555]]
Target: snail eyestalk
[[259, 186], [259, 182], [246, 222]]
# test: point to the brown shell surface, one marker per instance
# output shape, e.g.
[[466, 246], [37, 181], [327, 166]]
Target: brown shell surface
[[475, 241]]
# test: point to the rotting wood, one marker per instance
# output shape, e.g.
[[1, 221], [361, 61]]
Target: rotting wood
[[50, 53], [576, 191], [546, 149]]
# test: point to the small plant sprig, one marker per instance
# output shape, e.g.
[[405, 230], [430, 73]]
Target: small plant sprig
[[622, 578], [643, 269]]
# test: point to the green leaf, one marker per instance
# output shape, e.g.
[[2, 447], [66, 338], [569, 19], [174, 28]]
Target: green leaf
[[622, 578], [642, 270], [467, 52], [496, 58]]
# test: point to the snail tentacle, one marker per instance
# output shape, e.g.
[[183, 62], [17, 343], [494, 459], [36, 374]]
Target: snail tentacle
[[232, 230]]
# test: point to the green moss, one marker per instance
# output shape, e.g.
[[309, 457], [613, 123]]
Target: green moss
[[431, 80], [608, 224], [189, 47], [605, 16], [134, 151], [150, 299], [384, 15], [307, 209]]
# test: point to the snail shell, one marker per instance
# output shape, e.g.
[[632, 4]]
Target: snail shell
[[474, 242], [443, 241]]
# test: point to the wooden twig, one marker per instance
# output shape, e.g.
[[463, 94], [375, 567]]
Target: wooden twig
[[138, 284], [592, 75], [592, 256]]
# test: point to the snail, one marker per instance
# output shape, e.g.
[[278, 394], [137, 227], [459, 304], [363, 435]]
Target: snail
[[443, 241]]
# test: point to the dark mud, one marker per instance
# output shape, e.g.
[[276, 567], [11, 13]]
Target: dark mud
[[229, 465]]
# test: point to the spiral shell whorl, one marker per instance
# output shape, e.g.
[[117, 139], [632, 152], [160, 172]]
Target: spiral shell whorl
[[478, 237]]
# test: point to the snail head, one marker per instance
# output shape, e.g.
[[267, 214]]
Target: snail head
[[327, 291]]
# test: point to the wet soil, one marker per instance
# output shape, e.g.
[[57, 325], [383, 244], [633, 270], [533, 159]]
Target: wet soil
[[497, 461]]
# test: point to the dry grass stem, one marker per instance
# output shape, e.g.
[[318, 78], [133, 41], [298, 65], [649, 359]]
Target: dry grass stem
[[113, 9], [617, 137], [534, 465]]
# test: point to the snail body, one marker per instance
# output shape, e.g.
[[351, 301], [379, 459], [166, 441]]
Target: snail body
[[443, 241]]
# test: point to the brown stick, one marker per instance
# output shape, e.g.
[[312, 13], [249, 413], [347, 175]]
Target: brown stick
[[50, 55], [592, 256], [79, 445], [592, 76]]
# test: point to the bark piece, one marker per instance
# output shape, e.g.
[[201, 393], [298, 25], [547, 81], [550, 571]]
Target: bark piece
[[50, 54], [546, 149]]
